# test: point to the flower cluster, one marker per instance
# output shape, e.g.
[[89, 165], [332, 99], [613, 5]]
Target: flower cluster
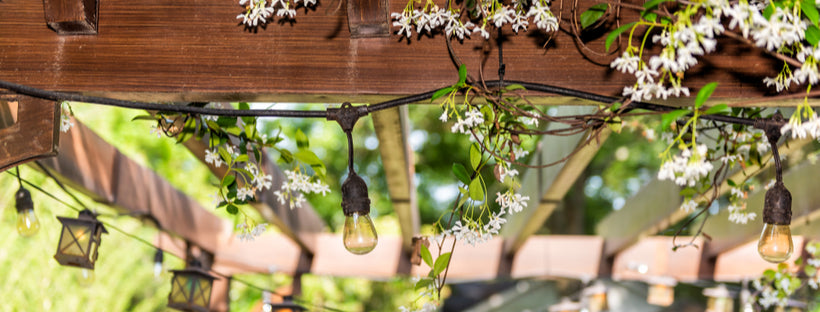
[[431, 19], [259, 12], [687, 168], [247, 234], [292, 192], [473, 118], [802, 129]]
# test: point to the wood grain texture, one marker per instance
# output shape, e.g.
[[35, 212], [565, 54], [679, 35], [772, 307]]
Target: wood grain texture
[[198, 50], [34, 135]]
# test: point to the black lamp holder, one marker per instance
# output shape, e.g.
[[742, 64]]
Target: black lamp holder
[[777, 207], [354, 189]]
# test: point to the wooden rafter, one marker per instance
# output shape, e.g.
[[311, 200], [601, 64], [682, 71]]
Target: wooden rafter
[[29, 129], [192, 50], [547, 186], [392, 129]]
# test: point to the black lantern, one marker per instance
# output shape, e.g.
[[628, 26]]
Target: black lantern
[[287, 305], [191, 289], [80, 240]]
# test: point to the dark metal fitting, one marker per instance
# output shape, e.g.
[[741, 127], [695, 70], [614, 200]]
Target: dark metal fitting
[[347, 115], [777, 207], [354, 196], [771, 126], [22, 200]]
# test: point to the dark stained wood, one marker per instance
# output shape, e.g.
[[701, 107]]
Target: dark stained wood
[[368, 18], [34, 135], [72, 17], [197, 50]]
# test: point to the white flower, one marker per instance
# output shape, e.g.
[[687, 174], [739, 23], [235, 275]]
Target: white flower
[[813, 262], [65, 117], [403, 21], [244, 193], [504, 173], [689, 206], [502, 16], [293, 190], [739, 215], [512, 202], [473, 118], [543, 17], [484, 33], [212, 157], [494, 225], [246, 234], [685, 169], [626, 63]]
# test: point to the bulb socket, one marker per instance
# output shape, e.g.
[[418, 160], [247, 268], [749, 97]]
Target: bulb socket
[[158, 256], [354, 195], [22, 200], [777, 208]]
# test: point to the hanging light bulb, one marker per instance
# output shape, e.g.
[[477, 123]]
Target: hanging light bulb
[[720, 299], [158, 263], [661, 291], [85, 277], [27, 223], [359, 234], [775, 244]]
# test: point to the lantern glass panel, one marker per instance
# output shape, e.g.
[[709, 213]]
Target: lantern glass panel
[[202, 292], [180, 289], [75, 239]]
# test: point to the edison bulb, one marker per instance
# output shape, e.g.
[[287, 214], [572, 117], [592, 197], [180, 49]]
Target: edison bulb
[[775, 243], [359, 234], [85, 277], [27, 223]]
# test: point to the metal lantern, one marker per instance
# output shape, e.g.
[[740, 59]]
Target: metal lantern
[[720, 299], [191, 289], [287, 305], [80, 240], [661, 291]]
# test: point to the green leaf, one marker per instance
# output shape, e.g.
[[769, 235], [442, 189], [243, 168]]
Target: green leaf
[[688, 192], [461, 173], [670, 117], [514, 87], [795, 284], [462, 76], [654, 4], [301, 139], [769, 274], [615, 106], [720, 109], [308, 157], [244, 106], [591, 15], [285, 156], [810, 270], [476, 191], [768, 11], [441, 263], [813, 35], [423, 283], [705, 93], [614, 34], [145, 117], [810, 11], [441, 92], [225, 121], [731, 182], [426, 256], [232, 209], [475, 156], [228, 180], [242, 158]]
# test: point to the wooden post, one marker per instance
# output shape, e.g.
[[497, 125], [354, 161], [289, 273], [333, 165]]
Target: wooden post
[[72, 17], [368, 18], [32, 134]]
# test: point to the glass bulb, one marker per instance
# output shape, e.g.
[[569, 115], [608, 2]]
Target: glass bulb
[[775, 243], [157, 269], [27, 223], [85, 277], [359, 234]]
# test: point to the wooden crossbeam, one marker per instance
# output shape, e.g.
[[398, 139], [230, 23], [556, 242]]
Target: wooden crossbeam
[[392, 129], [549, 185], [191, 50], [29, 129]]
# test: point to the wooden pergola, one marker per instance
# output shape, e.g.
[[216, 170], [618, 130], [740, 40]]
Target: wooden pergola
[[195, 50]]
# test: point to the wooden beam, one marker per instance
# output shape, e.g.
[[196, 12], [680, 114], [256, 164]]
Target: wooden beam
[[799, 180], [550, 184], [195, 50], [652, 209], [392, 129], [72, 17], [567, 256], [744, 263], [29, 129], [654, 257]]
